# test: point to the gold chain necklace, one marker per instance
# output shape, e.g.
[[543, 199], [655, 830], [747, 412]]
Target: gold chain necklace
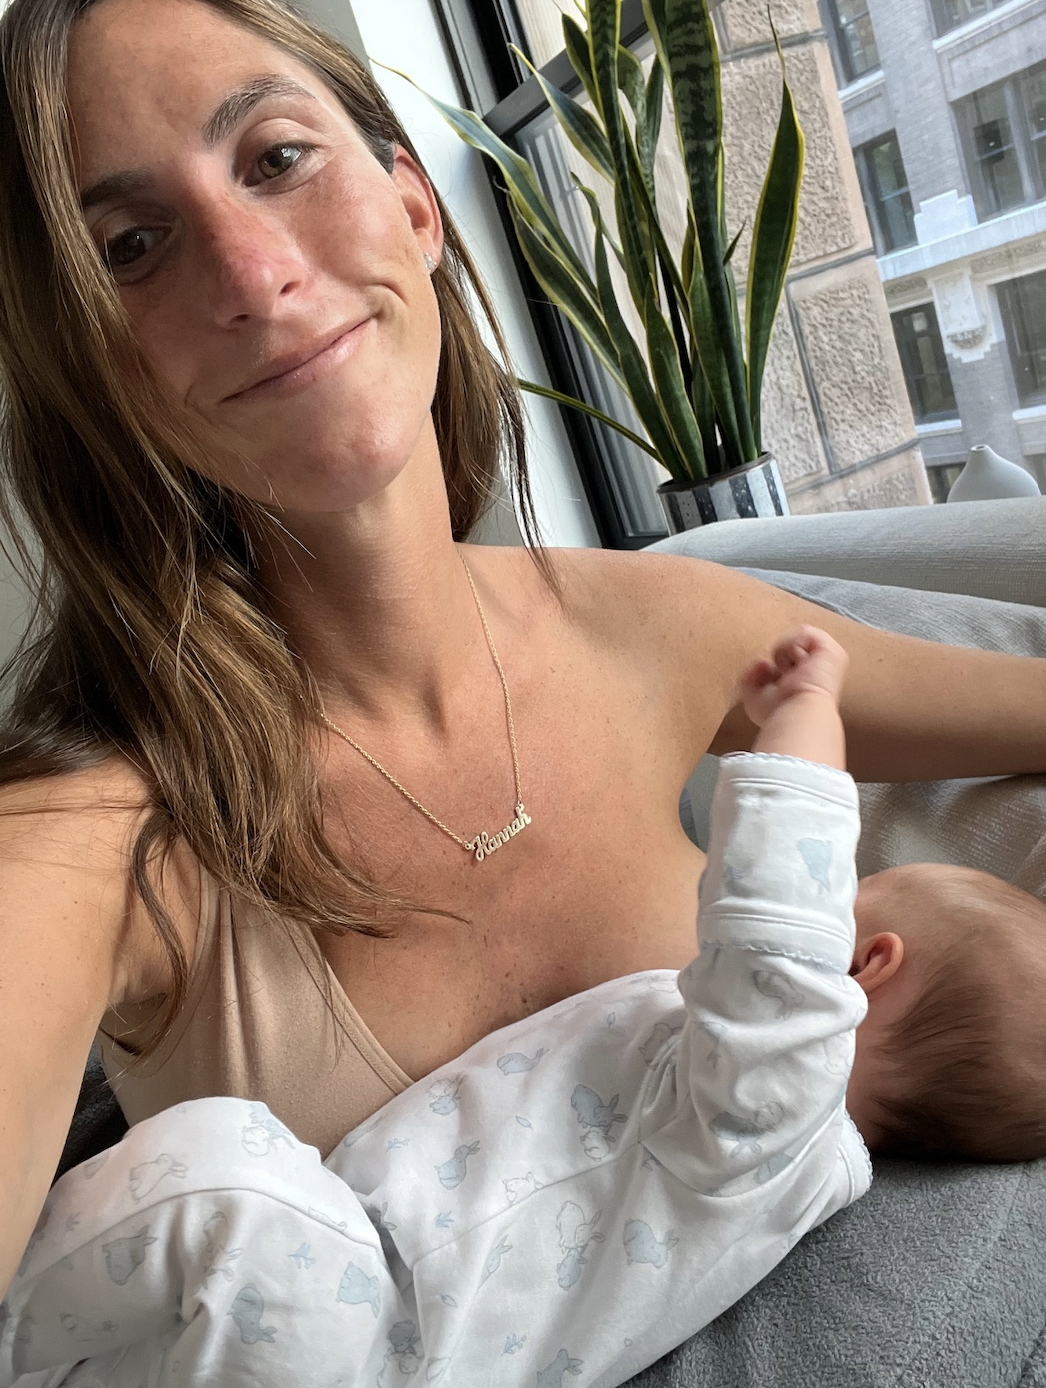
[[482, 844]]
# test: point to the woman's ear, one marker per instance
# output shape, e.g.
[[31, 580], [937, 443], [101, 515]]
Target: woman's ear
[[420, 203], [876, 960]]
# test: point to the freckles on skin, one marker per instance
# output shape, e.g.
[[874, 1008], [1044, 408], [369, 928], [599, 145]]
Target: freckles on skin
[[245, 269]]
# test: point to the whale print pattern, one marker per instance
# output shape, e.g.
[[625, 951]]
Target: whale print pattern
[[247, 1313], [781, 990], [356, 1288], [494, 1258], [516, 1063], [643, 1246], [443, 1095], [454, 1170], [264, 1132]]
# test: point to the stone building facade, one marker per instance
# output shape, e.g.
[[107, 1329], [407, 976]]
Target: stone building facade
[[836, 409], [945, 105]]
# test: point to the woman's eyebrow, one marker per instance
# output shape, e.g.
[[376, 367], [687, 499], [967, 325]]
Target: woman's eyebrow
[[229, 112]]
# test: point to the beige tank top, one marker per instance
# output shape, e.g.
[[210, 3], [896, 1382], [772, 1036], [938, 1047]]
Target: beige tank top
[[255, 1026]]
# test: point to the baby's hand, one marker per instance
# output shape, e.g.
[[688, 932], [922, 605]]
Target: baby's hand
[[807, 661]]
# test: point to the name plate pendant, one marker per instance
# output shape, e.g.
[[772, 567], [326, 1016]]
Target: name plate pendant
[[483, 845]]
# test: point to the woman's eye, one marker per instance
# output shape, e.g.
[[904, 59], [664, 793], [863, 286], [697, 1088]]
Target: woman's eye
[[280, 158], [129, 246]]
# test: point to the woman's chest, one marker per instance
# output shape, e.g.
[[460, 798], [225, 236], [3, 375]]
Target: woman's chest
[[601, 883]]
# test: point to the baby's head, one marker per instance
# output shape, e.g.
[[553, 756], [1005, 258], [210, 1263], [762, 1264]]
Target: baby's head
[[951, 1059]]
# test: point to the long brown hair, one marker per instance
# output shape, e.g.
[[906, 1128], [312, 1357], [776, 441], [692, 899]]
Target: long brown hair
[[151, 637]]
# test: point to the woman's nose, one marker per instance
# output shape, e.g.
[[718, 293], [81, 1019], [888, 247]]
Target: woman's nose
[[250, 259]]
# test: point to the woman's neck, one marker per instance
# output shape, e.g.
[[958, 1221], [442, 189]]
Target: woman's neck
[[377, 602]]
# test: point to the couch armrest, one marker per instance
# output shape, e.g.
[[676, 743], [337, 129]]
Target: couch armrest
[[988, 549]]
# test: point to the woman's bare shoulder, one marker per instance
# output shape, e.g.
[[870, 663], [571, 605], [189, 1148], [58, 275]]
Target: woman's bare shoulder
[[72, 837]]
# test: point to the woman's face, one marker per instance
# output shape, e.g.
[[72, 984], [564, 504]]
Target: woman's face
[[248, 226]]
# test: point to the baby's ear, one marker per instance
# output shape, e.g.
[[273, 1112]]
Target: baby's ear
[[876, 960]]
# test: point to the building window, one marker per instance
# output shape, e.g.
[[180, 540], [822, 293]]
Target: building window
[[1023, 304], [942, 479], [884, 184], [1004, 133], [854, 37], [925, 364], [949, 14]]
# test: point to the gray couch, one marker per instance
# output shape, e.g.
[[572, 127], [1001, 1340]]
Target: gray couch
[[937, 1278]]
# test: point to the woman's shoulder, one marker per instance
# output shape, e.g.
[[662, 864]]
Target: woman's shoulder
[[79, 829]]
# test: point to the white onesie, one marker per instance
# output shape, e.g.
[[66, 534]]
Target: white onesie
[[573, 1197]]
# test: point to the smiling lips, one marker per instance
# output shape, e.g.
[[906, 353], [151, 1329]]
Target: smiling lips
[[301, 368]]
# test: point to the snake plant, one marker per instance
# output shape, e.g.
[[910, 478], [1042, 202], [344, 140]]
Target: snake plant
[[696, 380]]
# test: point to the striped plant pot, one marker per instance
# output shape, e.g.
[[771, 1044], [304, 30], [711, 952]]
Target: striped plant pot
[[753, 490]]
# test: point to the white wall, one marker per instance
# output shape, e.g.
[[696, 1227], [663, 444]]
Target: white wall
[[405, 35]]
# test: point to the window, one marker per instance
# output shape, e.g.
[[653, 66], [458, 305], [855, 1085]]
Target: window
[[949, 14], [943, 479], [1023, 304], [886, 196], [925, 364], [1004, 131], [854, 37]]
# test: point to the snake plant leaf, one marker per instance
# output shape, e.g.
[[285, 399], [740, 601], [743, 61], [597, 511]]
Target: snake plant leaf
[[564, 291], [636, 372], [575, 41], [580, 127], [693, 66], [710, 354], [772, 241], [647, 138], [576, 404], [734, 243], [523, 186], [631, 81], [594, 207], [604, 38], [671, 391]]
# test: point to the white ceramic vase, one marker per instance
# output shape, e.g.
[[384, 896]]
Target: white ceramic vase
[[987, 477]]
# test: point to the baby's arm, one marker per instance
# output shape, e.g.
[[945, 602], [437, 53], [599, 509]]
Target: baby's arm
[[768, 1044], [794, 698]]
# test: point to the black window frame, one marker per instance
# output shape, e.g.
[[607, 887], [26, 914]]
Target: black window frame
[[906, 338], [1025, 141], [838, 28], [477, 34], [875, 198]]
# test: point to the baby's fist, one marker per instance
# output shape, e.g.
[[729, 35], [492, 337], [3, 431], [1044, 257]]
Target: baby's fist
[[807, 661]]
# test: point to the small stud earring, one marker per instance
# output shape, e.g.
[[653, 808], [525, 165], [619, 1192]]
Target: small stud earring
[[430, 264]]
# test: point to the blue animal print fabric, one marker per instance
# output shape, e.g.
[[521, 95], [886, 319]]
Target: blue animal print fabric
[[562, 1205]]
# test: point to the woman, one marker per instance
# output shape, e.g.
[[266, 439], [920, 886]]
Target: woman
[[253, 435]]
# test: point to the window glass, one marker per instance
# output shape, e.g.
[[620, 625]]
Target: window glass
[[997, 170], [856, 37], [1033, 91], [925, 364], [886, 192], [943, 478], [1023, 304]]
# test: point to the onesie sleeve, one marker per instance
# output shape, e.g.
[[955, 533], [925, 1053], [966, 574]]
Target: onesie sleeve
[[766, 1050]]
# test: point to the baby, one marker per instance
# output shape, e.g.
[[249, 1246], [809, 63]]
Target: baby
[[586, 1188]]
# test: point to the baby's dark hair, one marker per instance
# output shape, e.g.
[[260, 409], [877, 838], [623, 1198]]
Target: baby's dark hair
[[969, 1056]]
